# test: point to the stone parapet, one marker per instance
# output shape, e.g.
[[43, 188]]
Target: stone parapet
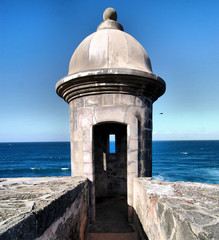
[[43, 208], [177, 210]]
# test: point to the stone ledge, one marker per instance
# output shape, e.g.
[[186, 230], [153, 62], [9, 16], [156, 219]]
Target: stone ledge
[[29, 206], [177, 210], [110, 80]]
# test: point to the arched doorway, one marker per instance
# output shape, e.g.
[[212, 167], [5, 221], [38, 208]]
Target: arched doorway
[[110, 162]]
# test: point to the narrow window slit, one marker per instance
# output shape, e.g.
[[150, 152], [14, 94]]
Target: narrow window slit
[[112, 143]]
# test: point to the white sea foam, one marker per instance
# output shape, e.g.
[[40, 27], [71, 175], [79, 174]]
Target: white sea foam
[[158, 177], [184, 153], [64, 169], [212, 171]]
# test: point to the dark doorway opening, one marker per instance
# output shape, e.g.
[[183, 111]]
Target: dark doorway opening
[[110, 160]]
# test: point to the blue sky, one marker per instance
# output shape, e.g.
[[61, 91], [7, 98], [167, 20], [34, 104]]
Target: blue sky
[[37, 39]]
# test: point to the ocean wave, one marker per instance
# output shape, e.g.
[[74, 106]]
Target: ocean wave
[[48, 169], [158, 177], [64, 169], [212, 171], [184, 153], [38, 169]]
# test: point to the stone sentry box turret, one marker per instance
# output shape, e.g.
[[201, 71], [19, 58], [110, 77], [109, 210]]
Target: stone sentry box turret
[[110, 89]]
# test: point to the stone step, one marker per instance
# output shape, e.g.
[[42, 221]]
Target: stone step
[[112, 236]]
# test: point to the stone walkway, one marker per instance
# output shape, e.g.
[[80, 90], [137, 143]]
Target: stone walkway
[[111, 221], [112, 236]]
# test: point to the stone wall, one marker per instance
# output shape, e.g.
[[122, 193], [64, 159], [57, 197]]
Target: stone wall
[[134, 111], [58, 208], [177, 210], [43, 208]]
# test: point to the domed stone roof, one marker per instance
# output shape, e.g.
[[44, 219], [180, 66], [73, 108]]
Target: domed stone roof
[[110, 61], [109, 47]]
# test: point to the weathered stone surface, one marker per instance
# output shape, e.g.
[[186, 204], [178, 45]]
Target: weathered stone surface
[[177, 210], [110, 80], [116, 49], [92, 100], [110, 61], [131, 111], [43, 208]]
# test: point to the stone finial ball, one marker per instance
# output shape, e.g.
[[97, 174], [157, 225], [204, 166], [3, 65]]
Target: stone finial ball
[[110, 13]]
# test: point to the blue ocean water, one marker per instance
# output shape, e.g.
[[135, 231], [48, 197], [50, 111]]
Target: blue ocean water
[[35, 159], [194, 161], [190, 161]]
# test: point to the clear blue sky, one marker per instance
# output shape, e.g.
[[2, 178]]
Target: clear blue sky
[[37, 39]]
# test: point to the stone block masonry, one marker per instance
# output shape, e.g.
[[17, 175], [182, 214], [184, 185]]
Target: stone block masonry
[[177, 210], [57, 208], [44, 208], [89, 145]]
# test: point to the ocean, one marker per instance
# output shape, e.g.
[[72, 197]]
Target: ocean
[[191, 161], [35, 159]]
